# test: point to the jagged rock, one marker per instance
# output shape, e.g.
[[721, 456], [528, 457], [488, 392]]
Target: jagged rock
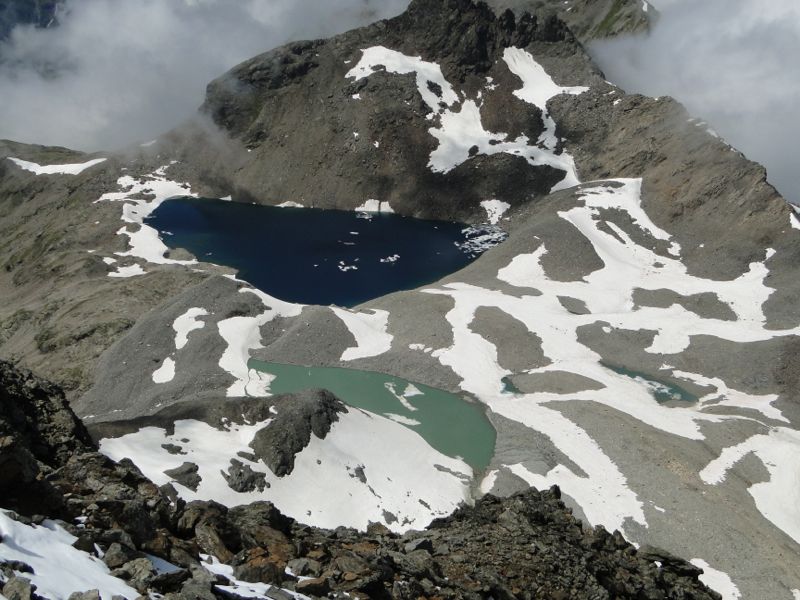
[[305, 567], [257, 564], [209, 540], [674, 563], [19, 588], [418, 544], [117, 555], [170, 582], [38, 432], [314, 587], [242, 478], [299, 415], [518, 543], [138, 573], [186, 475]]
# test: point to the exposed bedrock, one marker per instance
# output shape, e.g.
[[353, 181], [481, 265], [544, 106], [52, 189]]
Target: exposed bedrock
[[309, 412]]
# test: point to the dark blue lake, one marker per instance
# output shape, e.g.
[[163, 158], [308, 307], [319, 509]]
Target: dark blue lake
[[314, 256]]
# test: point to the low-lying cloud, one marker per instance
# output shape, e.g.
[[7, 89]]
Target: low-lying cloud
[[733, 63], [115, 72]]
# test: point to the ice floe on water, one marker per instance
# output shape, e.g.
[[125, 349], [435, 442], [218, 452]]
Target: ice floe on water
[[369, 330], [348, 478], [74, 169], [58, 568], [374, 206], [460, 131], [480, 238], [143, 241]]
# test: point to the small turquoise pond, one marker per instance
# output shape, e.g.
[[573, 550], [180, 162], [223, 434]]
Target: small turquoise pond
[[662, 391], [450, 424], [314, 256]]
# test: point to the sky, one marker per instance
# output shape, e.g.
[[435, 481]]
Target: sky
[[733, 63], [117, 72]]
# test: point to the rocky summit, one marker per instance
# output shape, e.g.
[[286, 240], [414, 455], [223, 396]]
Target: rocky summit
[[627, 332]]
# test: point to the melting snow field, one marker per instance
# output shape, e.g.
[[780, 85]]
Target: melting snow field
[[369, 331], [348, 478], [74, 169], [143, 241], [59, 569], [460, 127]]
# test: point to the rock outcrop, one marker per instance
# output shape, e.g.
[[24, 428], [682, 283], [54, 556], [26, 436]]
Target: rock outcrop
[[300, 415]]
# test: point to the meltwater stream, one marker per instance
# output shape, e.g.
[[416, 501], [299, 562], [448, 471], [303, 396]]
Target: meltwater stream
[[313, 256]]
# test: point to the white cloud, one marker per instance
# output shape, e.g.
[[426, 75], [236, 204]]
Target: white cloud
[[115, 72], [731, 62]]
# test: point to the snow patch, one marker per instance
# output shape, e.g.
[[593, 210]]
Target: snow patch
[[374, 206], [166, 372], [130, 271], [403, 490], [74, 169], [369, 330], [186, 323], [242, 335], [717, 580], [495, 209], [144, 241], [59, 569], [779, 498], [401, 64]]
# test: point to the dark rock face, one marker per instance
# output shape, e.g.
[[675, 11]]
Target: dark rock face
[[186, 475], [295, 109], [242, 478], [299, 415], [41, 13], [38, 432], [590, 19]]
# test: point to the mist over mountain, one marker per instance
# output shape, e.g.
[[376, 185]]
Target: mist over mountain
[[114, 73], [732, 63]]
